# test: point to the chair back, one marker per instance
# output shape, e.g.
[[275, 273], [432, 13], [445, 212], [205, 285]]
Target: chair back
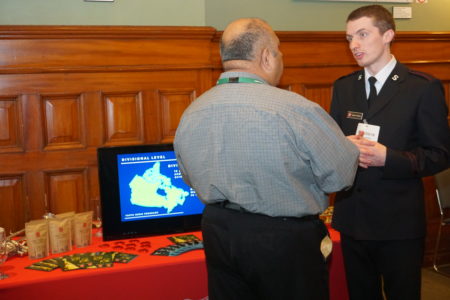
[[442, 181]]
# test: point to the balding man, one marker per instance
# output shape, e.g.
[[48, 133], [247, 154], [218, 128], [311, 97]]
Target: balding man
[[262, 159]]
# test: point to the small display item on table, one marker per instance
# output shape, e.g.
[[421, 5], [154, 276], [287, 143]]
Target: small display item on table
[[78, 261], [182, 244]]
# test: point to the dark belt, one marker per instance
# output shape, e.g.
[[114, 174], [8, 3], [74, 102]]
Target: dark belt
[[229, 205], [233, 206]]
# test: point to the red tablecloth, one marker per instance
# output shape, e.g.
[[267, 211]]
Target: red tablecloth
[[146, 277], [338, 282]]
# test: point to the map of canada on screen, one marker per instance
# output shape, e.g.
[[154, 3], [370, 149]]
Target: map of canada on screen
[[151, 186]]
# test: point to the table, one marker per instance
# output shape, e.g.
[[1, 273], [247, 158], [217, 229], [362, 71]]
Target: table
[[146, 277], [338, 282]]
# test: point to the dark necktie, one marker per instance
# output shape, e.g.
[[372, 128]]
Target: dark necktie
[[372, 91]]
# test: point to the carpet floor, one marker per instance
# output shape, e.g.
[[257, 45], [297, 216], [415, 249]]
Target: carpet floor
[[435, 286]]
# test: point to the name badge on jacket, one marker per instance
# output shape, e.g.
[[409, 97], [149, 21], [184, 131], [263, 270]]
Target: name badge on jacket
[[371, 132], [354, 115]]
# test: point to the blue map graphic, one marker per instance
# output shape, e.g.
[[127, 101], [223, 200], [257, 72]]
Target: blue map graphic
[[151, 186], [154, 189]]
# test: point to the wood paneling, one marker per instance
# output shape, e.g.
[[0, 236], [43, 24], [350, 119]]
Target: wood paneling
[[173, 103], [67, 90], [66, 191], [63, 120], [12, 202], [11, 126], [123, 118]]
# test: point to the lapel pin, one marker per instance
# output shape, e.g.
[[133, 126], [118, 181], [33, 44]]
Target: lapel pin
[[360, 77], [395, 77]]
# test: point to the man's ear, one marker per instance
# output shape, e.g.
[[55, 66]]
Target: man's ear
[[388, 36], [266, 60]]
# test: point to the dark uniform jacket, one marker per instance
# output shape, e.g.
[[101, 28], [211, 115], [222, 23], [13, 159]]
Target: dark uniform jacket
[[387, 203]]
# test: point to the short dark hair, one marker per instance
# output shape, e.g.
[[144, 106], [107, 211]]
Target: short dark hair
[[382, 18], [243, 46]]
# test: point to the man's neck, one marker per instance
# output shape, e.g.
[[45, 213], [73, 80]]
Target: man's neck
[[379, 65], [251, 70]]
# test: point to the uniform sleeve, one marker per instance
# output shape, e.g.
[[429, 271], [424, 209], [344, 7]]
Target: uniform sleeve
[[334, 110], [433, 136], [333, 158]]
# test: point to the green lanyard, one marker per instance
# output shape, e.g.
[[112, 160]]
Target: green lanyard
[[238, 80]]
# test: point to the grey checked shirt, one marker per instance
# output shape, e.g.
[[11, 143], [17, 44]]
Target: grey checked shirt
[[269, 150]]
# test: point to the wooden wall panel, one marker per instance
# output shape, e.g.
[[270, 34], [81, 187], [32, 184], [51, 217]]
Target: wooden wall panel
[[63, 120], [66, 191], [12, 202], [11, 125], [446, 84], [123, 118], [67, 90], [173, 103], [319, 93]]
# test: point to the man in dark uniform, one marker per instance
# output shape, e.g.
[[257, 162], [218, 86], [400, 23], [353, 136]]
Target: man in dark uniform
[[398, 120]]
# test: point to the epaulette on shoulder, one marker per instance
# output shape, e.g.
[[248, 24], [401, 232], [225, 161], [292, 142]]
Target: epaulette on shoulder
[[422, 74], [349, 75]]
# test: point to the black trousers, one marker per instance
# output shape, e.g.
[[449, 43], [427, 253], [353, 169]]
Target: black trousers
[[256, 257], [373, 266]]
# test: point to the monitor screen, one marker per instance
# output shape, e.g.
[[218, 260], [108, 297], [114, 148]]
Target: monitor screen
[[142, 192]]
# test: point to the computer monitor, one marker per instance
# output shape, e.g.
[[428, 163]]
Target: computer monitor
[[142, 193]]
